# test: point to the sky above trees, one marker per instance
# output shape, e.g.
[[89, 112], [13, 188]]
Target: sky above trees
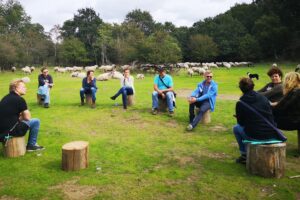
[[181, 13]]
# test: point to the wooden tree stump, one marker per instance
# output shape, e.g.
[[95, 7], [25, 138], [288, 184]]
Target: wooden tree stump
[[15, 147], [88, 99], [206, 116], [130, 100], [39, 99], [162, 105], [75, 155], [266, 160]]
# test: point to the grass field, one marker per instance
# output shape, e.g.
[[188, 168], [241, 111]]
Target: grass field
[[135, 155]]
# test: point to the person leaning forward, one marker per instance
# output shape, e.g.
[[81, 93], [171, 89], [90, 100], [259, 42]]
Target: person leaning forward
[[203, 97], [15, 118], [163, 88]]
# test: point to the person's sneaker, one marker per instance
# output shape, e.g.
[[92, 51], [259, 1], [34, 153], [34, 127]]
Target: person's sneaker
[[113, 98], [189, 127], [36, 147], [171, 113], [82, 103], [46, 105], [242, 159], [154, 111]]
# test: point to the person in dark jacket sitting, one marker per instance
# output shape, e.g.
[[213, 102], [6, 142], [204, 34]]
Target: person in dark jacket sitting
[[273, 90], [89, 87], [45, 84], [287, 110], [250, 126]]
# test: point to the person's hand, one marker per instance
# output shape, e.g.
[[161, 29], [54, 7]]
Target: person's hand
[[192, 100]]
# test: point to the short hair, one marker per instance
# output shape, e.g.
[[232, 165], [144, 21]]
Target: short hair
[[43, 68], [14, 84], [275, 70], [126, 69], [246, 84], [290, 82], [88, 72], [207, 72]]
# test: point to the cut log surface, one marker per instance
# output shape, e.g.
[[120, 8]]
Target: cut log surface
[[15, 147], [75, 155], [266, 160], [130, 100], [162, 105]]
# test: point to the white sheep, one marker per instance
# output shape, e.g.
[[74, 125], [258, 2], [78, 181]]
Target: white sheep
[[107, 67], [274, 65], [117, 75], [190, 72], [140, 76], [32, 68], [26, 70], [13, 69], [227, 65], [104, 77]]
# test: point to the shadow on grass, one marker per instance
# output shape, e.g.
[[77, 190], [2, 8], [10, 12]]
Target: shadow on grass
[[53, 165]]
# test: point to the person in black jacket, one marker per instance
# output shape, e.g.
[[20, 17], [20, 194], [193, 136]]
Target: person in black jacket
[[287, 110], [250, 126], [273, 90], [45, 84]]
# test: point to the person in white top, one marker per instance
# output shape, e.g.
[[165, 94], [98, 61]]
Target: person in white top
[[127, 87]]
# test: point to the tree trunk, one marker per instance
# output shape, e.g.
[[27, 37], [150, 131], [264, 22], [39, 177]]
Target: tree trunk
[[266, 160], [75, 155], [15, 147]]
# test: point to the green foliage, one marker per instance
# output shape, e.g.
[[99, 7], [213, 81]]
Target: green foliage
[[249, 48], [141, 19], [202, 48], [73, 51], [161, 48]]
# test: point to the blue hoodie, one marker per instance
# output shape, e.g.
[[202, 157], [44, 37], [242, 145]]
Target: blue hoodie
[[210, 95]]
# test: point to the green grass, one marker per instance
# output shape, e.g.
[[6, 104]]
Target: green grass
[[141, 156]]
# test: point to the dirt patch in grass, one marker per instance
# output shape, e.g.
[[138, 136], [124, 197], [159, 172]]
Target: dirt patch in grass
[[8, 198], [218, 128], [182, 161], [183, 93], [298, 196], [73, 191], [218, 155]]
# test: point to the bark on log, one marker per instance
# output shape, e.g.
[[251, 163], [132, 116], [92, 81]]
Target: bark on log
[[15, 147], [299, 141], [39, 99], [88, 99], [162, 105], [266, 160], [130, 100], [75, 155], [206, 118]]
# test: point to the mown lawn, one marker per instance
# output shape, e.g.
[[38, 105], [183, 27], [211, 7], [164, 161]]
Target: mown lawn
[[135, 155]]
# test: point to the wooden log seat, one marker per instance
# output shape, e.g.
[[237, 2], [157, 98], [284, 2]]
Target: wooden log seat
[[75, 155], [15, 147]]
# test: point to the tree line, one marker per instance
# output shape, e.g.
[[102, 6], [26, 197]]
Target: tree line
[[261, 30]]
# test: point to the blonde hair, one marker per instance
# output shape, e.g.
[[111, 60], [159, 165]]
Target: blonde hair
[[14, 84], [207, 72], [291, 81]]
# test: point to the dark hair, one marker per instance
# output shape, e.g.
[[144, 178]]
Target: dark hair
[[275, 70], [126, 69], [246, 84], [43, 68], [88, 72]]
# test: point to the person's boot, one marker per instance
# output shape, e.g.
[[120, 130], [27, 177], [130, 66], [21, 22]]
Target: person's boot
[[93, 105], [82, 102], [113, 98]]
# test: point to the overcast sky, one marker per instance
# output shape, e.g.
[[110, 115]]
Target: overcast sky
[[180, 12]]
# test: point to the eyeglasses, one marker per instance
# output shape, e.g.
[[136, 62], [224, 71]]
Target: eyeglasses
[[208, 76], [45, 71]]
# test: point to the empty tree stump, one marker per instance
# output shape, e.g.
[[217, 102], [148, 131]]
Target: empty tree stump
[[15, 147], [162, 105], [206, 116], [75, 155], [88, 99], [130, 100], [266, 160]]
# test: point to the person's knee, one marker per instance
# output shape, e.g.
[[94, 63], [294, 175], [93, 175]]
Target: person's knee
[[35, 122], [82, 90], [94, 90], [154, 93]]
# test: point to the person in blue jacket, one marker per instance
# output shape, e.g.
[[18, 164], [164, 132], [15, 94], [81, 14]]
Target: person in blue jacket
[[203, 97], [45, 85], [89, 87]]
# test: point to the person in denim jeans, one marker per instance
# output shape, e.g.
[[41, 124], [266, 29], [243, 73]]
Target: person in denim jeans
[[127, 87], [163, 88], [15, 118], [89, 87], [45, 84]]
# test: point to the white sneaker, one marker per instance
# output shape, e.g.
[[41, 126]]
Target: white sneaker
[[189, 127]]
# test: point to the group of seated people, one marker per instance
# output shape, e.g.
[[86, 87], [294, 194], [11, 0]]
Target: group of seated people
[[259, 114]]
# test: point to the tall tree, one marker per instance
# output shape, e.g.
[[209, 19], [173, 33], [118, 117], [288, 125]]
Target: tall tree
[[84, 26], [56, 38], [141, 19], [72, 51]]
